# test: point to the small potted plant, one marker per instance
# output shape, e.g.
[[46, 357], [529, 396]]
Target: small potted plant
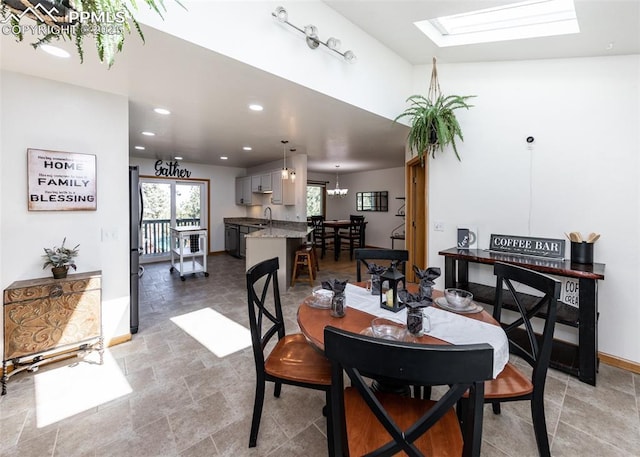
[[60, 259]]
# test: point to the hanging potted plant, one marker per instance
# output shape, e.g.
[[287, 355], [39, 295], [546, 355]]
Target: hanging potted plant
[[60, 259], [106, 21], [433, 121]]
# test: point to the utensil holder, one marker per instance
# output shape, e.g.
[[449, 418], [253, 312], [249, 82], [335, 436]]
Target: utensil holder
[[581, 252]]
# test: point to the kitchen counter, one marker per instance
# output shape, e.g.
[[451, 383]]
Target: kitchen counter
[[276, 232]]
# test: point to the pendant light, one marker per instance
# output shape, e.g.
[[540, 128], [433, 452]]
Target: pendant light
[[292, 171], [337, 192], [285, 170]]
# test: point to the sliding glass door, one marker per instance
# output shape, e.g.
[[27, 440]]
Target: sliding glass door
[[169, 203]]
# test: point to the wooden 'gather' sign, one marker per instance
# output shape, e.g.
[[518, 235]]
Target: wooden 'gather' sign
[[544, 247]]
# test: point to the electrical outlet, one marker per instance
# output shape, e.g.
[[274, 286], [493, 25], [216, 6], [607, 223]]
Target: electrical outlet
[[438, 226]]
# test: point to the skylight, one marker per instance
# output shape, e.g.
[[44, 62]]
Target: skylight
[[530, 19]]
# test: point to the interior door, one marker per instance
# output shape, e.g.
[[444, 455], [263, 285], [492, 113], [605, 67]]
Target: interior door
[[417, 211]]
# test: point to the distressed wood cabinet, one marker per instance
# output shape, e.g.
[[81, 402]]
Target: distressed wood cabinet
[[48, 319]]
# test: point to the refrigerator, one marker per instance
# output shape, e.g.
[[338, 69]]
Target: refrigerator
[[135, 226]]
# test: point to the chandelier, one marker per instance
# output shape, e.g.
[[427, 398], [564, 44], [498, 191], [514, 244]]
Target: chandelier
[[337, 192], [311, 32]]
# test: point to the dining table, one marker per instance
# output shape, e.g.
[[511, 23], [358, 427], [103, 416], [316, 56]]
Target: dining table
[[337, 225], [446, 327]]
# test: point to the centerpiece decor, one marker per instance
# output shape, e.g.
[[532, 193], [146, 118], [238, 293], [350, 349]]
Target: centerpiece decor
[[339, 300], [389, 299], [106, 21], [60, 259], [433, 121]]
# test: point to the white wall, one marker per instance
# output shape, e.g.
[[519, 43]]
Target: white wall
[[43, 114], [247, 32], [222, 193], [380, 224], [581, 174]]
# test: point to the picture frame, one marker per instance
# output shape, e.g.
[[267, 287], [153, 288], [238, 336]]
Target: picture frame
[[61, 181]]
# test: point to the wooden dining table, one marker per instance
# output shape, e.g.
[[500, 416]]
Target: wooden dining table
[[336, 225], [312, 321]]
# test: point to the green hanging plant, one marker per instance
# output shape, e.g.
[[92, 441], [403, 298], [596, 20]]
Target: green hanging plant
[[106, 21], [433, 121]]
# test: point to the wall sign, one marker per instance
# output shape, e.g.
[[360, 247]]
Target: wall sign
[[61, 181], [171, 170], [544, 247]]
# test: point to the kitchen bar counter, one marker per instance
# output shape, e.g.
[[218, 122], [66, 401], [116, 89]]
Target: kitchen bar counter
[[276, 232]]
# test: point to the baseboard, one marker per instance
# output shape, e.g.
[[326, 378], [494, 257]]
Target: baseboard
[[619, 362], [119, 339]]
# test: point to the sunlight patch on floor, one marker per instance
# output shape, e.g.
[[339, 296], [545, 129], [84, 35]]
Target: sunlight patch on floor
[[218, 333], [63, 392]]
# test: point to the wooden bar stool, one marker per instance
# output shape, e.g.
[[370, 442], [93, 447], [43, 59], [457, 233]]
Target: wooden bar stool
[[304, 259]]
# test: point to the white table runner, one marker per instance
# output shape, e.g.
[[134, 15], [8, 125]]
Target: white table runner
[[447, 326]]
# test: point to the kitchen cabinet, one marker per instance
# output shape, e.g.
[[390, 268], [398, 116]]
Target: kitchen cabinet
[[244, 195], [50, 319], [283, 190], [261, 183]]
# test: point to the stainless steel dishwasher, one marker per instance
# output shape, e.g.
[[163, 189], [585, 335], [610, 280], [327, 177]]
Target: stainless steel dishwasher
[[231, 242]]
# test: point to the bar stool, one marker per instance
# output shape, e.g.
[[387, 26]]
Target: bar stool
[[304, 258]]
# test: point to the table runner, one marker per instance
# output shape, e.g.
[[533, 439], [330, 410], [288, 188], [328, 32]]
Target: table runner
[[447, 326]]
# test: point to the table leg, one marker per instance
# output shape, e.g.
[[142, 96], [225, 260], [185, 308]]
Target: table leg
[[588, 331], [336, 243]]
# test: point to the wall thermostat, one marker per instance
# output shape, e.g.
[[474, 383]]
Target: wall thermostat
[[530, 139]]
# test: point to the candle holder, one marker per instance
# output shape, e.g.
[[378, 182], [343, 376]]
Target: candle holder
[[390, 301]]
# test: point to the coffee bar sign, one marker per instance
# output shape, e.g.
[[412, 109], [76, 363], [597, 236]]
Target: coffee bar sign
[[61, 181], [542, 247]]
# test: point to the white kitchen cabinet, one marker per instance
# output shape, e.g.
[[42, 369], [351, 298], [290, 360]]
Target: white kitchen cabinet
[[244, 195], [283, 191], [261, 183]]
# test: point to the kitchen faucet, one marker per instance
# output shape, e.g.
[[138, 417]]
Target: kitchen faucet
[[270, 217]]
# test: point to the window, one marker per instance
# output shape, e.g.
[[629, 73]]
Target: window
[[315, 200]]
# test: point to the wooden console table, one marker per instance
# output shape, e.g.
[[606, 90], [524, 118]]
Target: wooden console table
[[49, 319], [580, 360]]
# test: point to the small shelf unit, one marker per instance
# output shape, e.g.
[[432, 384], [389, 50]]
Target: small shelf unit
[[398, 232], [188, 251]]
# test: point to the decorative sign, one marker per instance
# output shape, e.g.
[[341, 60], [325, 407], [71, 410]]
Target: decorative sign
[[61, 181], [543, 247], [171, 170], [570, 293]]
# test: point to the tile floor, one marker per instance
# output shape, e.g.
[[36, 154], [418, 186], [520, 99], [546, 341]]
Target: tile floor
[[165, 394]]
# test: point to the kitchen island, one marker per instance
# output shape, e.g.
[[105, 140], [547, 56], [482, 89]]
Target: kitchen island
[[280, 240]]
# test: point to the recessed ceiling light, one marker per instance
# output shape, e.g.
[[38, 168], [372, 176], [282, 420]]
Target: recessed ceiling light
[[223, 157], [529, 19], [139, 148], [178, 157], [54, 51], [255, 107], [149, 133], [247, 148], [162, 111]]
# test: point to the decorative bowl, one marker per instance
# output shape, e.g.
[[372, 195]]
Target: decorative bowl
[[458, 298], [387, 329], [322, 297]]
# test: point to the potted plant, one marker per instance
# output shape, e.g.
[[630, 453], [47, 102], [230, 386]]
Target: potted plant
[[433, 121], [60, 259], [106, 21]]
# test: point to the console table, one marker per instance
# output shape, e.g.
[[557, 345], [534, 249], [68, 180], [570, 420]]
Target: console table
[[580, 360], [50, 319]]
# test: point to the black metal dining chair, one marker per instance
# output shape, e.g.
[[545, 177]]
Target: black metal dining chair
[[512, 384], [292, 360], [363, 256], [366, 422]]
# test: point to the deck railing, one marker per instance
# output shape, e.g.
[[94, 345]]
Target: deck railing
[[155, 236]]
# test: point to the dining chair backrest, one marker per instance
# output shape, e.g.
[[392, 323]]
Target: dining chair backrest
[[458, 368], [356, 227], [318, 226], [362, 256], [265, 309], [534, 350]]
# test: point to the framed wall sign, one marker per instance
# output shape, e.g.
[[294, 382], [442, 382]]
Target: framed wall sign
[[61, 181], [543, 247]]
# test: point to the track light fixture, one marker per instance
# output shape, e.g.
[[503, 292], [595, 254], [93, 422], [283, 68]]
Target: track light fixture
[[311, 33]]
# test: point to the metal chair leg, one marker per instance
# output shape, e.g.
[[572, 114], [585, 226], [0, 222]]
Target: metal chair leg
[[257, 413]]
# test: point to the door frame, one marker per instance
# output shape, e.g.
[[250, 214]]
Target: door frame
[[207, 206], [416, 182]]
